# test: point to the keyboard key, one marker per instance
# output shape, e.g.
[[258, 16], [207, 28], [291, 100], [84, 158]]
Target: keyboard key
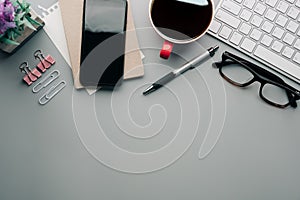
[[277, 46], [267, 26], [245, 28], [293, 12], [225, 32], [297, 44], [249, 3], [298, 32], [276, 60], [282, 6], [288, 52], [260, 8], [298, 3], [288, 38], [239, 1], [271, 14], [228, 19], [278, 32], [297, 58], [292, 26], [215, 26], [248, 45], [256, 20], [236, 38], [246, 15], [231, 7], [281, 20], [272, 3], [255, 34], [291, 1], [266, 40]]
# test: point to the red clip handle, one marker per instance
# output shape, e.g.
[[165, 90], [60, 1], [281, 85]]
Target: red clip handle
[[166, 50]]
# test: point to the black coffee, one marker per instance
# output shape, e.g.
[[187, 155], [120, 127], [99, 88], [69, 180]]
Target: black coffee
[[181, 19]]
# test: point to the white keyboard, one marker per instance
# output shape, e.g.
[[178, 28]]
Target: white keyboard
[[266, 30]]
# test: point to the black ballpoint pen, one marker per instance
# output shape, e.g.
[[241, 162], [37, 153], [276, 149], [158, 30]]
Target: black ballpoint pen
[[189, 65]]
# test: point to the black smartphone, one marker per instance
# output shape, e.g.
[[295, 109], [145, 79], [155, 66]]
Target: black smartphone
[[103, 43]]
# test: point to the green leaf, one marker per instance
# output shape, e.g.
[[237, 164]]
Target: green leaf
[[28, 24], [20, 4], [8, 41], [19, 16], [17, 31], [32, 21]]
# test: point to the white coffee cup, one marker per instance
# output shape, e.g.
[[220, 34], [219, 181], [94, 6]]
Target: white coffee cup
[[180, 21]]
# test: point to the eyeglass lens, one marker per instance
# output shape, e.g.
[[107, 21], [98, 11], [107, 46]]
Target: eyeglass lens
[[274, 94], [237, 74]]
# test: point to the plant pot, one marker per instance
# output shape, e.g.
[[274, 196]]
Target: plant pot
[[26, 35]]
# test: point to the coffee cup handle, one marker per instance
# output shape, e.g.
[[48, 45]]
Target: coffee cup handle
[[166, 50]]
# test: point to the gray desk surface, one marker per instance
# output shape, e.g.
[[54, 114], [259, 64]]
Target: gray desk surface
[[59, 151]]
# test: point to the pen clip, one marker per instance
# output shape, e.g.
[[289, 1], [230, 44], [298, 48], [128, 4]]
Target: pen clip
[[46, 81], [52, 92]]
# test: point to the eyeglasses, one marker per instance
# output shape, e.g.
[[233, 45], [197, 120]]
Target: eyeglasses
[[273, 90]]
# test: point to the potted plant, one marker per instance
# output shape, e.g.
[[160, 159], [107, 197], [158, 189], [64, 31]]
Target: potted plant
[[18, 23]]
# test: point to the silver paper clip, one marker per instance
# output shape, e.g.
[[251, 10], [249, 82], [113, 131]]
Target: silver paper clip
[[52, 92], [46, 81]]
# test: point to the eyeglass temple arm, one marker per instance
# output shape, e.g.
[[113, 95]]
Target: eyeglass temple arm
[[264, 72]]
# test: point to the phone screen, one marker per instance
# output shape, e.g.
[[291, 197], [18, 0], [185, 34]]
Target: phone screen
[[103, 43]]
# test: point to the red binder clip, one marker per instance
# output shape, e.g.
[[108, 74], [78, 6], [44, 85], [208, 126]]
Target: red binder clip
[[30, 75], [45, 62]]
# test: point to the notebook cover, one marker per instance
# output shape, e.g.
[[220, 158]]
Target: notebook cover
[[72, 11]]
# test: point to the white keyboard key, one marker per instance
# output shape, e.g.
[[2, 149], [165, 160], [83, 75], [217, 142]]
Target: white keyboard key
[[249, 3], [298, 3], [278, 32], [277, 46], [215, 26], [281, 20], [293, 12], [266, 40], [288, 38], [255, 34], [245, 28], [260, 8], [276, 60], [256, 20], [248, 45], [271, 3], [267, 26], [292, 26], [288, 52], [271, 14], [298, 32], [291, 1], [228, 19], [282, 6], [297, 58], [225, 32], [231, 7], [297, 44], [236, 38], [246, 15]]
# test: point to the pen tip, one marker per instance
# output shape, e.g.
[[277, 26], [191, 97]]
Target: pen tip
[[216, 48], [213, 50], [149, 90]]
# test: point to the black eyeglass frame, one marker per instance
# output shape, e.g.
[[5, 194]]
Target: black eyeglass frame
[[260, 75]]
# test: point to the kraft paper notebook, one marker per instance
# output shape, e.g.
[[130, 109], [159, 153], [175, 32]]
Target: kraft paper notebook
[[72, 11]]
